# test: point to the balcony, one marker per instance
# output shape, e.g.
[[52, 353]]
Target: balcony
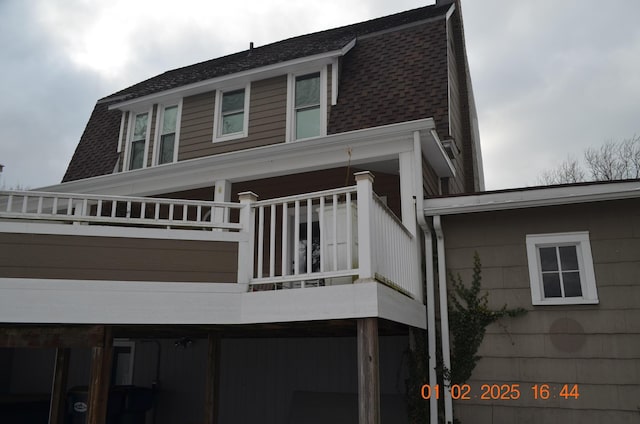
[[333, 238]]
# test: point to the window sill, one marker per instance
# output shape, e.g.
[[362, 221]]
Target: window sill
[[565, 301], [228, 137]]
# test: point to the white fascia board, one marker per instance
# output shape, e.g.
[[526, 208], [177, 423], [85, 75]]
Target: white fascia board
[[243, 77], [433, 151], [528, 198], [135, 302], [369, 144]]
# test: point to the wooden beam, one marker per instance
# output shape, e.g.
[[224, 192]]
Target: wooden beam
[[59, 386], [368, 372], [212, 381], [101, 357], [41, 337]]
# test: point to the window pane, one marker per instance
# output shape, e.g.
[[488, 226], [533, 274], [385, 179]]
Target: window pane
[[167, 143], [233, 123], [568, 258], [551, 283], [137, 154], [571, 282], [233, 100], [548, 259], [308, 90], [140, 129], [308, 123], [169, 122]]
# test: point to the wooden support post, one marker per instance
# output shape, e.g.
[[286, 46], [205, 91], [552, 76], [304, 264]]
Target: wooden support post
[[59, 386], [212, 381], [101, 357], [368, 372]]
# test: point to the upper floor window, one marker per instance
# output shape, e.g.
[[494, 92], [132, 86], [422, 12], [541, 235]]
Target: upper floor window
[[231, 114], [168, 131], [561, 269], [307, 111], [138, 141]]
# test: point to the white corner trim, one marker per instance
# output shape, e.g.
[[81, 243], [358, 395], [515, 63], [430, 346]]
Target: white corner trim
[[334, 81], [121, 133]]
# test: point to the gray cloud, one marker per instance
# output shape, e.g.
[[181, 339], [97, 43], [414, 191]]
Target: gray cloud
[[550, 78]]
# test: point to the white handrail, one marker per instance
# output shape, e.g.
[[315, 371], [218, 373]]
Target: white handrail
[[119, 210]]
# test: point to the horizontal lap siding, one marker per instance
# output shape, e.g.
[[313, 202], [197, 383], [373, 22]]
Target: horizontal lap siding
[[594, 346], [119, 259], [267, 121]]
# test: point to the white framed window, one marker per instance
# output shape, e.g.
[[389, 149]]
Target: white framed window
[[167, 134], [307, 105], [138, 140], [561, 269], [231, 114]]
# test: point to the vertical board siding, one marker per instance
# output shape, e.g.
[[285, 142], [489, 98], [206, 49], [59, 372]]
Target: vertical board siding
[[267, 117], [594, 346]]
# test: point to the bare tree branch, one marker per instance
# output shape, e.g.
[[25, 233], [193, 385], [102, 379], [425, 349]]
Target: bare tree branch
[[611, 161]]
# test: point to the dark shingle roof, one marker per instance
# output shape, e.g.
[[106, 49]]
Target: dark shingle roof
[[96, 152], [281, 51]]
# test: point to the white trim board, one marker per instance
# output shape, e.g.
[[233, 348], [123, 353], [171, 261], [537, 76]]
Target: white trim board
[[117, 302], [527, 198], [22, 227]]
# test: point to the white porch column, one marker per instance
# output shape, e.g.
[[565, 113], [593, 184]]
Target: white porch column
[[245, 248], [364, 184], [408, 191]]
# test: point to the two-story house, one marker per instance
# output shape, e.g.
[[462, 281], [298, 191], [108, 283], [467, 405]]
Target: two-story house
[[243, 235]]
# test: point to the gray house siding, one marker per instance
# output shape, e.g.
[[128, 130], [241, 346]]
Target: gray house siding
[[596, 347]]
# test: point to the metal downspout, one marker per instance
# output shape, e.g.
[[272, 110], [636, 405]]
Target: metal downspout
[[430, 283], [444, 316]]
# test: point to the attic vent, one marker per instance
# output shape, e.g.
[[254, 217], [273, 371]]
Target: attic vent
[[251, 45], [451, 148]]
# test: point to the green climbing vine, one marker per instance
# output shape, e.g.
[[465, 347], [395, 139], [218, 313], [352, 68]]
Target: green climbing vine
[[469, 316]]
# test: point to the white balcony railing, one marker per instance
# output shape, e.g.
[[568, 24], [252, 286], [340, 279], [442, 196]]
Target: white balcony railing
[[324, 238], [119, 210], [308, 239]]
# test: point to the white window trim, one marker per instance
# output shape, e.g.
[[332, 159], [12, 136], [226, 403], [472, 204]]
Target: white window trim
[[291, 86], [217, 119], [585, 262], [130, 129], [156, 141]]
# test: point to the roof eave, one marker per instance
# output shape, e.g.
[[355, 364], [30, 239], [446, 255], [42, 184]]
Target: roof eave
[[529, 198], [237, 78], [301, 156]]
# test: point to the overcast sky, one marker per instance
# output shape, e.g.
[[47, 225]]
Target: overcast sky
[[550, 77]]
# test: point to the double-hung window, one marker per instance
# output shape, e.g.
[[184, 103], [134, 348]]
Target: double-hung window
[[307, 105], [231, 120], [561, 269], [167, 130], [138, 141]]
